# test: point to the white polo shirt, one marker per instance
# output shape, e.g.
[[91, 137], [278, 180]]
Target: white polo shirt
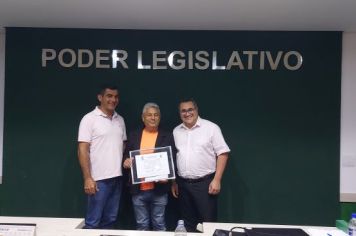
[[198, 148], [106, 137]]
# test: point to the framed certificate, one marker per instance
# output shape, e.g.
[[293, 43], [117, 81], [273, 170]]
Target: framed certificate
[[152, 164]]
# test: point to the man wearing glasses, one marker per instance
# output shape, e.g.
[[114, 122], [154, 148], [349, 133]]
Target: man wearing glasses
[[201, 159]]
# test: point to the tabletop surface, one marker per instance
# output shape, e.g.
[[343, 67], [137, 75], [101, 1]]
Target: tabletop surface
[[46, 226]]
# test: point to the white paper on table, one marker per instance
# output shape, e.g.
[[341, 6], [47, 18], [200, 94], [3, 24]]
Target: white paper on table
[[152, 164], [325, 232], [17, 230]]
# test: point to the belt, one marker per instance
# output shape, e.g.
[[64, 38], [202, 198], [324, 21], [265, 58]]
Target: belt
[[205, 177]]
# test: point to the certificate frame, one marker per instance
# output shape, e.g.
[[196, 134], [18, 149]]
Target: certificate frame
[[152, 165]]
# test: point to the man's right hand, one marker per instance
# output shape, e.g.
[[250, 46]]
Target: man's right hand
[[90, 186], [174, 189]]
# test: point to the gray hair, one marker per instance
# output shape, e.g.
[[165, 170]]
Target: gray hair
[[149, 105]]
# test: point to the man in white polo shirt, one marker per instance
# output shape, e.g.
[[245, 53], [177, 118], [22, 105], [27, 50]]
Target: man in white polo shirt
[[101, 139], [201, 159]]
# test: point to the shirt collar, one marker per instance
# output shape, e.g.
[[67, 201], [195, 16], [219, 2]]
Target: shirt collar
[[99, 112], [197, 124]]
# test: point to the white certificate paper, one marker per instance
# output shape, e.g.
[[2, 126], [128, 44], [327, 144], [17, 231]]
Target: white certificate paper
[[153, 166]]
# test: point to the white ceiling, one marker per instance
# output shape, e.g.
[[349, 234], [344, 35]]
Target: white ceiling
[[315, 15]]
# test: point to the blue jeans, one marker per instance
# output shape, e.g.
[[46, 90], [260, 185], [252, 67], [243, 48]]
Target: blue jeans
[[149, 207], [103, 206]]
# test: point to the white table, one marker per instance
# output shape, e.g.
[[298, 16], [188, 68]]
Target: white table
[[73, 227], [46, 226]]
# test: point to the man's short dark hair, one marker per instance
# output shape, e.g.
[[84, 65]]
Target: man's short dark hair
[[183, 100], [107, 86]]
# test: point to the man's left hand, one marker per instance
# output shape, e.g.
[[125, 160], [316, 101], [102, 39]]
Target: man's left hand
[[214, 187]]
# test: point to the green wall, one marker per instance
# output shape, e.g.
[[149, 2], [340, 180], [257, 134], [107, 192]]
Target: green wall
[[283, 126]]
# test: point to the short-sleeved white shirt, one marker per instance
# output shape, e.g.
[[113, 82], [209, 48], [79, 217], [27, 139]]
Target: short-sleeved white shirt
[[106, 137], [198, 148]]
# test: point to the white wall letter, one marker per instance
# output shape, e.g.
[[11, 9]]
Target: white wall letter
[[100, 57], [199, 57], [47, 54], [119, 56], [140, 66], [73, 57], [180, 62], [87, 52], [215, 66], [157, 59], [299, 60]]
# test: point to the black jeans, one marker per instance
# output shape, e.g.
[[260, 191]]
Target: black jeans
[[196, 204]]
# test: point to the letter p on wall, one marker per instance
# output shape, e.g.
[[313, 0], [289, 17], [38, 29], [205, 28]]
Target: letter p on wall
[[48, 54]]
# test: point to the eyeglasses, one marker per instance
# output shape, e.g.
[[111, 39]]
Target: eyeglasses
[[185, 111]]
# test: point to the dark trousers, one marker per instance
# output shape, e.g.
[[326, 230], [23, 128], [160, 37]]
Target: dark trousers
[[196, 204]]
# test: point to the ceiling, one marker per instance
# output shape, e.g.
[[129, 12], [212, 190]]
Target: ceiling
[[305, 15]]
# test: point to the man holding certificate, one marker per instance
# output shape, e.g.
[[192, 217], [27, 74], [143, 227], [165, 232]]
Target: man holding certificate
[[150, 170]]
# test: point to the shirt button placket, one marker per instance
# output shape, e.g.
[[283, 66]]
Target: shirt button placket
[[188, 151]]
